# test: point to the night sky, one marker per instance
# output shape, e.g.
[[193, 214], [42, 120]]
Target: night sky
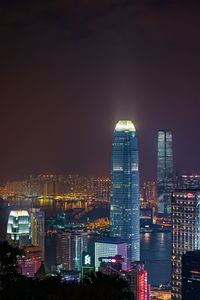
[[71, 69]]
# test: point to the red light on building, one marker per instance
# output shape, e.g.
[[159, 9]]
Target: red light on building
[[139, 284], [190, 195], [113, 260]]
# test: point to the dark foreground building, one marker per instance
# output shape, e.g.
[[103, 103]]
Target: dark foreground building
[[191, 276]]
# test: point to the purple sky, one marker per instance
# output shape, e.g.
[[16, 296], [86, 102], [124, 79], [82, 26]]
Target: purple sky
[[71, 69]]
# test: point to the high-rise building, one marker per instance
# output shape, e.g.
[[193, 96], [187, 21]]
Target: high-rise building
[[191, 275], [37, 228], [69, 249], [19, 228], [164, 172], [110, 246], [124, 199], [185, 232]]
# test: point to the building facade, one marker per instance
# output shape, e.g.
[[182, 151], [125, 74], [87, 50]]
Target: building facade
[[191, 275], [28, 266], [19, 228], [37, 228], [185, 233], [109, 246], [164, 172], [139, 284], [124, 199], [148, 195], [34, 253], [111, 265], [101, 188], [70, 246]]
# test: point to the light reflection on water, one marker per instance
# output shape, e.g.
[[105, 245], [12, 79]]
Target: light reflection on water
[[156, 252]]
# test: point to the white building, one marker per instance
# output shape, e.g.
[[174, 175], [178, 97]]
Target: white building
[[110, 246]]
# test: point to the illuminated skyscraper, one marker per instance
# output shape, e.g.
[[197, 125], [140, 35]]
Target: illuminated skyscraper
[[124, 199], [164, 172], [185, 232], [37, 228], [19, 228]]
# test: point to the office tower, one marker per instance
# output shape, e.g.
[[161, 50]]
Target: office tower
[[185, 232], [164, 172], [19, 228], [138, 281], [37, 228], [110, 246], [191, 275], [69, 249], [124, 198]]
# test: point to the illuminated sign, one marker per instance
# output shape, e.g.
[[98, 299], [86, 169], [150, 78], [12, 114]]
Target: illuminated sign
[[87, 260], [106, 260]]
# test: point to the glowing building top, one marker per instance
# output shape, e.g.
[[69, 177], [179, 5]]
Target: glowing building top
[[19, 213], [19, 228], [125, 126]]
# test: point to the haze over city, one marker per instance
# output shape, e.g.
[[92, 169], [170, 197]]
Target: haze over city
[[70, 72]]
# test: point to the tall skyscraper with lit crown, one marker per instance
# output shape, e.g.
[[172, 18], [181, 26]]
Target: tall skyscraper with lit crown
[[124, 199], [164, 172]]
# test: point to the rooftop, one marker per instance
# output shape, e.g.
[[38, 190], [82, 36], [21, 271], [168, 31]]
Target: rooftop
[[125, 126], [19, 213], [110, 240]]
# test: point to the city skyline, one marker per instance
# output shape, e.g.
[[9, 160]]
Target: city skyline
[[69, 73], [100, 166]]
